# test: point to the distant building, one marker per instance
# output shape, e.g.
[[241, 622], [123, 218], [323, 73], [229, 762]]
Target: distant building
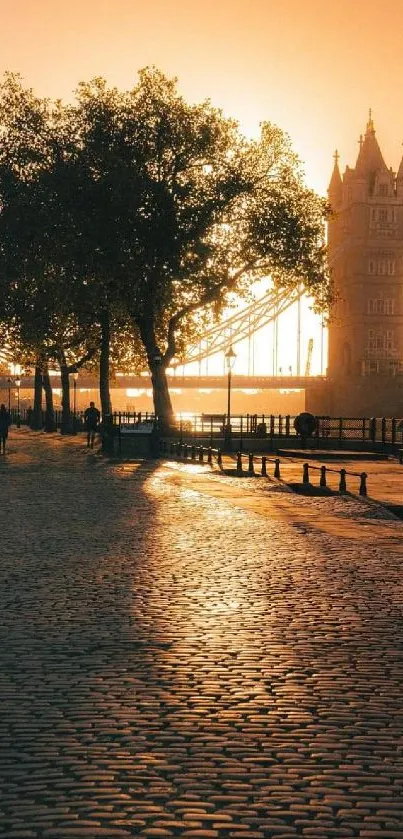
[[365, 246]]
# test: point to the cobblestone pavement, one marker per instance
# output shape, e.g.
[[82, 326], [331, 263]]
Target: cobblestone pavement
[[186, 654]]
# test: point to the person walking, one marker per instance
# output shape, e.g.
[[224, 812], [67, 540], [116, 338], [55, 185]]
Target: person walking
[[91, 418], [5, 422]]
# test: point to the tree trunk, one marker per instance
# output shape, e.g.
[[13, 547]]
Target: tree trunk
[[66, 426], [50, 423], [162, 400], [36, 416], [104, 391]]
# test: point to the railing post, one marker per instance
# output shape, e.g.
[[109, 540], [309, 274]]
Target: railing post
[[393, 430], [219, 458], [372, 426], [363, 428], [211, 433], [305, 473], [241, 438], [280, 425], [322, 481], [271, 425], [239, 462], [264, 468], [251, 465], [277, 467], [363, 484], [342, 484], [383, 430], [287, 425], [340, 430]]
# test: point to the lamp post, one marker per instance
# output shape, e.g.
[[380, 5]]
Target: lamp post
[[75, 377], [230, 357], [9, 382], [17, 383]]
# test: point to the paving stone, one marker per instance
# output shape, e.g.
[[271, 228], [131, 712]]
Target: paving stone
[[187, 654]]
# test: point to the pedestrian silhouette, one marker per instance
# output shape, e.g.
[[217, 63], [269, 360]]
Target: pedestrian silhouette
[[5, 422], [91, 417]]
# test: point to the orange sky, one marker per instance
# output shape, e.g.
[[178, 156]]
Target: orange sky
[[311, 66]]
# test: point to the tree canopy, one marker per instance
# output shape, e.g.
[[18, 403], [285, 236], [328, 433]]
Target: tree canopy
[[141, 208]]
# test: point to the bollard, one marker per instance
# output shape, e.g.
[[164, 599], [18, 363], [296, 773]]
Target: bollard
[[305, 473], [193, 452], [342, 484], [239, 462], [363, 484], [251, 466], [201, 454], [185, 451], [264, 469], [277, 467], [322, 481], [209, 455], [219, 457]]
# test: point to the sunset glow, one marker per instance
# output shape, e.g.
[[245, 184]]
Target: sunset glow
[[311, 68]]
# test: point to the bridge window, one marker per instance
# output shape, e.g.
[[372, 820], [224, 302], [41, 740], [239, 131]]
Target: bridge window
[[383, 189], [380, 343], [380, 306], [382, 266], [370, 367]]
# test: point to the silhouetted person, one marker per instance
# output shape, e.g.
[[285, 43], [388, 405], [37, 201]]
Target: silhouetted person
[[5, 422], [91, 417]]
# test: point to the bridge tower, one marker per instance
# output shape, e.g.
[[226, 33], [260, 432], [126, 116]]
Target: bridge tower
[[365, 247]]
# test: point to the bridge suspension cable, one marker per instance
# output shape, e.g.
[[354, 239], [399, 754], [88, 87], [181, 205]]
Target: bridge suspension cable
[[239, 326]]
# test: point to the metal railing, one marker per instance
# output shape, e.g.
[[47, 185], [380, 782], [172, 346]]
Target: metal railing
[[337, 430]]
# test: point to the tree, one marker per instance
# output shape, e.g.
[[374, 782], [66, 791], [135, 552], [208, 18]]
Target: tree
[[195, 213], [155, 211]]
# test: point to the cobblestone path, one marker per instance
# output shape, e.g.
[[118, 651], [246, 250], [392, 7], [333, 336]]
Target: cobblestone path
[[183, 654]]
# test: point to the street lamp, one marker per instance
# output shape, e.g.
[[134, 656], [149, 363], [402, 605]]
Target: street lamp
[[17, 383], [230, 357], [9, 382], [75, 377]]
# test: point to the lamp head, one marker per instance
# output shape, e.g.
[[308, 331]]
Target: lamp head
[[230, 357]]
